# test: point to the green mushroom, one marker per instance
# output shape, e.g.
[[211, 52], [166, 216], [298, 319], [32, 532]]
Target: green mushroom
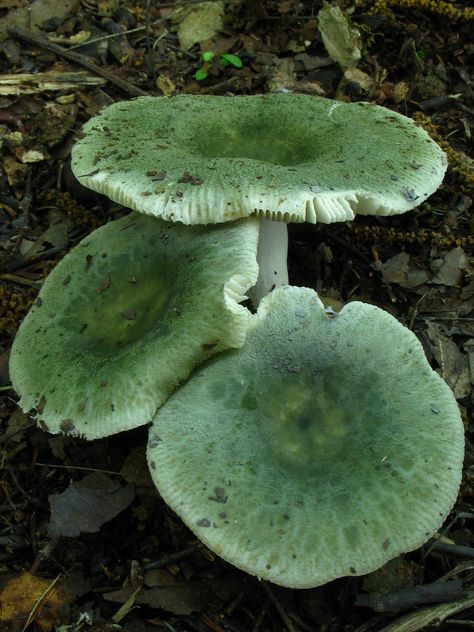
[[124, 318], [316, 450], [282, 157]]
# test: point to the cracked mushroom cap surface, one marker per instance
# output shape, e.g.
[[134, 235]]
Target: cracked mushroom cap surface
[[126, 315], [291, 157], [316, 450]]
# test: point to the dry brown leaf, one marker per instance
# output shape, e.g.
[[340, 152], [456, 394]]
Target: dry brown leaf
[[27, 598], [165, 85]]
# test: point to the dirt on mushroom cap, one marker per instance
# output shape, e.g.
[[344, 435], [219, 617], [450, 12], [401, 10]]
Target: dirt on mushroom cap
[[290, 157], [126, 316], [310, 454]]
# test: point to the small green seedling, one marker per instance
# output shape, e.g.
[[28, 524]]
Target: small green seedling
[[208, 59]]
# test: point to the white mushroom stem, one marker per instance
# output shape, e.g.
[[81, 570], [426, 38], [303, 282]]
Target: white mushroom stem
[[272, 255]]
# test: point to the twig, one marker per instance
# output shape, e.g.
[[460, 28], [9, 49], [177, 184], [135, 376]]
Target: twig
[[11, 202], [178, 49], [171, 559], [104, 38], [26, 262], [422, 618], [34, 83], [281, 611], [14, 278], [436, 592], [78, 467], [38, 605], [261, 617], [137, 29], [124, 85], [456, 550]]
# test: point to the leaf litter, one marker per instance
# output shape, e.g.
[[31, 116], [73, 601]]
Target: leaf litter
[[86, 505], [418, 266]]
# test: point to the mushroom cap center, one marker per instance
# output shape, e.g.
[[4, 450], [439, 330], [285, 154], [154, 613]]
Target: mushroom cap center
[[320, 420], [304, 422], [129, 308], [256, 140], [120, 309]]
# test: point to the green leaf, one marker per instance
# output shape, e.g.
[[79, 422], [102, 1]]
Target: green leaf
[[207, 55], [234, 60], [200, 74]]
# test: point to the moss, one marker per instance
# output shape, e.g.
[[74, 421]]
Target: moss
[[443, 9], [418, 237], [461, 166], [82, 217], [14, 304]]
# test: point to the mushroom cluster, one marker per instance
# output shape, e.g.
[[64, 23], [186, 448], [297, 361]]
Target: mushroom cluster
[[299, 451]]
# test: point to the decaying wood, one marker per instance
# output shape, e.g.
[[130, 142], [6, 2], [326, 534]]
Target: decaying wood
[[124, 85], [52, 80], [436, 592], [422, 618]]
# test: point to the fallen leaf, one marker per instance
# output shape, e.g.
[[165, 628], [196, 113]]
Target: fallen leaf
[[53, 124], [26, 599], [180, 599], [57, 233], [395, 575], [452, 268], [166, 593], [202, 23], [395, 270], [341, 40], [135, 468], [453, 363], [18, 423], [16, 172], [31, 155], [359, 82], [165, 85], [86, 505], [30, 15], [73, 40]]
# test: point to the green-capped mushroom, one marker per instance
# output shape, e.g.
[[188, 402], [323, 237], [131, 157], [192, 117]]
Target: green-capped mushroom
[[285, 157], [126, 315], [316, 450]]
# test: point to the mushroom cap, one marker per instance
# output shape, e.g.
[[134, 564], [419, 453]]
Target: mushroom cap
[[315, 451], [123, 319], [290, 157]]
